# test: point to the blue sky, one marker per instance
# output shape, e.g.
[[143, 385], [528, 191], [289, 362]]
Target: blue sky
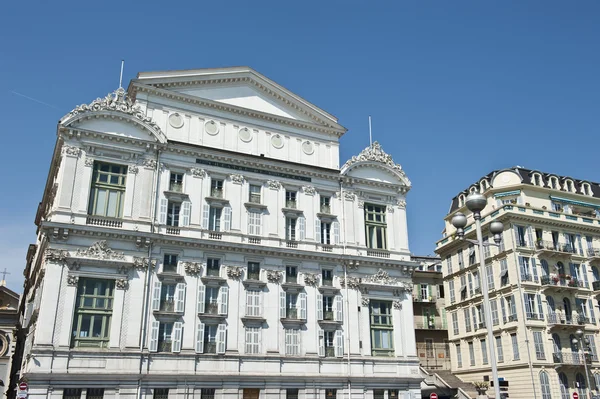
[[455, 88]]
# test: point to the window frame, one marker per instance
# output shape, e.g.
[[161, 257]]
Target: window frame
[[104, 312], [375, 230], [117, 188]]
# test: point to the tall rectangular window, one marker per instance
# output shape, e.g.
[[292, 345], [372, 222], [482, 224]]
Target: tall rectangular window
[[213, 267], [449, 263], [486, 247], [93, 311], [472, 255], [160, 393], [489, 271], [170, 263], [176, 182], [375, 226], [291, 394], [254, 195], [253, 303], [458, 356], [253, 271], [494, 306], [173, 209], [252, 340], [382, 328], [325, 204], [467, 319], [325, 233], [108, 190], [292, 342], [214, 218], [290, 199], [291, 274], [71, 393], [461, 261], [216, 188], [207, 393], [538, 341], [290, 228], [471, 353], [451, 290], [165, 337], [503, 272], [515, 346], [455, 323], [484, 353], [499, 348], [254, 223]]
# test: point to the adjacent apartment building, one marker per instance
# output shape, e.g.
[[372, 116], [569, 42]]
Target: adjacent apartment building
[[197, 238], [543, 280]]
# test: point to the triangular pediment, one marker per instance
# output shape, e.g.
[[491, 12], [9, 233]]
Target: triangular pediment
[[240, 87]]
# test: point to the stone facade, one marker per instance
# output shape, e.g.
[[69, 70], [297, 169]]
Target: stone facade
[[198, 237]]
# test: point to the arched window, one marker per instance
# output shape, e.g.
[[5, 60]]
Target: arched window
[[567, 308], [561, 268], [585, 188], [537, 180], [554, 183], [545, 268], [597, 381], [545, 383], [569, 186], [473, 189], [551, 308], [556, 344], [484, 185], [581, 387], [595, 273], [564, 386], [461, 200]]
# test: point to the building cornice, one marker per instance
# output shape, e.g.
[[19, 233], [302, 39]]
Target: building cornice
[[137, 87]]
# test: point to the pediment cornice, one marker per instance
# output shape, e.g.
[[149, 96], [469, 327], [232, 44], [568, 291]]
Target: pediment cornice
[[337, 131], [373, 156]]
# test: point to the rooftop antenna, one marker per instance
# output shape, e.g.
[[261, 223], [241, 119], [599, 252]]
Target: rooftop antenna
[[121, 77], [370, 133]]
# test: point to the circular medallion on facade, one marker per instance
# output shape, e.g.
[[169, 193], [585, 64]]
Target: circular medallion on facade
[[245, 134], [277, 141], [308, 147], [176, 120], [211, 127]]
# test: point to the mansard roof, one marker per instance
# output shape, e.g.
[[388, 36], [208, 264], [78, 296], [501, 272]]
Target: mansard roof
[[375, 156], [193, 84], [115, 105]]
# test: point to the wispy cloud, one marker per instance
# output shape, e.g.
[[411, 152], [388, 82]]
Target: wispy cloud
[[34, 99]]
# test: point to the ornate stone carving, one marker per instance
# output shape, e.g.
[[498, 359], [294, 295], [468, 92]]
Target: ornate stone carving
[[381, 277], [72, 280], [192, 267], [390, 209], [311, 279], [374, 153], [237, 179], [56, 255], [401, 203], [89, 161], [309, 190], [397, 304], [234, 272], [365, 301], [197, 172], [100, 250], [70, 150], [353, 282], [349, 196], [273, 184], [352, 264], [149, 163], [361, 204], [116, 101], [132, 169], [143, 263], [274, 276], [121, 283]]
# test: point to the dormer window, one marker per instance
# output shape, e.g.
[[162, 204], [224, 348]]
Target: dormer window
[[484, 185], [554, 183], [473, 189], [176, 182], [461, 200], [585, 188], [569, 186], [537, 180]]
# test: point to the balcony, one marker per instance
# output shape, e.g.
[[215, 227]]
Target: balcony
[[164, 346], [534, 316], [103, 221], [551, 248], [291, 204], [562, 281], [176, 187], [561, 321], [424, 299], [216, 193], [214, 235], [167, 306], [593, 255], [528, 278], [381, 253], [329, 351], [292, 317], [173, 230], [291, 244], [213, 271], [430, 325], [210, 347], [570, 359]]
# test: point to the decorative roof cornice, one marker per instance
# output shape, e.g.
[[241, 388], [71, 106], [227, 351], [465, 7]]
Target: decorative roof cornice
[[116, 102], [375, 154], [138, 87]]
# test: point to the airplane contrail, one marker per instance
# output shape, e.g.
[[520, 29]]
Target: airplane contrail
[[33, 99]]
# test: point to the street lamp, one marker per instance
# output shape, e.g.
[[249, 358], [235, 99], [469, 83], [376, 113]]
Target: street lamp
[[476, 203], [579, 342]]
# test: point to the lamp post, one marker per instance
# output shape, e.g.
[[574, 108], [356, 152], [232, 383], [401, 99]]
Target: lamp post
[[476, 202], [580, 341]]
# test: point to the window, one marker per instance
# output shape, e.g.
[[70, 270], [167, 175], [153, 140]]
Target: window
[[95, 393], [382, 328], [467, 319], [72, 393], [290, 229], [503, 272], [176, 182], [554, 183], [170, 263], [471, 353], [328, 307], [449, 263], [451, 290], [557, 207], [291, 394], [489, 271], [494, 306], [515, 346], [581, 385], [254, 196], [253, 303], [328, 342], [539, 345], [455, 323], [161, 393], [93, 310], [499, 349], [214, 218], [586, 189], [254, 223], [291, 306], [290, 199], [592, 347], [484, 354], [291, 274], [472, 255], [210, 338], [213, 267], [486, 248], [569, 186], [168, 294], [537, 180], [292, 342], [461, 262], [252, 340], [530, 306], [524, 267], [463, 287], [325, 233], [458, 356], [564, 386], [325, 204], [253, 271], [330, 393], [108, 190], [375, 226], [207, 393], [216, 188], [173, 209], [165, 335], [211, 300], [484, 185], [545, 384]]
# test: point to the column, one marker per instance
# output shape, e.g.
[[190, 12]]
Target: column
[[117, 314], [53, 279]]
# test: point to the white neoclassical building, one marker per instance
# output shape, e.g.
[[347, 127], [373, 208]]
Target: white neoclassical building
[[197, 238]]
